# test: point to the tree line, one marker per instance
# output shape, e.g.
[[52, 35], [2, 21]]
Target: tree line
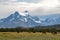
[[54, 29]]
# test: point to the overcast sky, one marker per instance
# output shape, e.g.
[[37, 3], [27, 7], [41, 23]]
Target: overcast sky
[[35, 7]]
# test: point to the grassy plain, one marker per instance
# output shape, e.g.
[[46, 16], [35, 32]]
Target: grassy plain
[[28, 36]]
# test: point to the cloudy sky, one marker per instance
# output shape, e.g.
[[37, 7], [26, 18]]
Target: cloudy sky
[[35, 7]]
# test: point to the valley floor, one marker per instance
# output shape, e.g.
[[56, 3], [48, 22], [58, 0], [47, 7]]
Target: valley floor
[[28, 36]]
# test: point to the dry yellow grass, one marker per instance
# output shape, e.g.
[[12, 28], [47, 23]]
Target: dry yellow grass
[[28, 36]]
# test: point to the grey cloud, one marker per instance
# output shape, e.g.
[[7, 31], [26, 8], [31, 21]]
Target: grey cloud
[[38, 11], [31, 1], [41, 11], [35, 1], [2, 0]]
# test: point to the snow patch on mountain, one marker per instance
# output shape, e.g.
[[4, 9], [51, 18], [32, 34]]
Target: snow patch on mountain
[[23, 14], [12, 19], [38, 21], [18, 16], [26, 13], [26, 20]]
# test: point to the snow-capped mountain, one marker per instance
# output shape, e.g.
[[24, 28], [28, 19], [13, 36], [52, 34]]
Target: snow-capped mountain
[[24, 19], [50, 19], [19, 19]]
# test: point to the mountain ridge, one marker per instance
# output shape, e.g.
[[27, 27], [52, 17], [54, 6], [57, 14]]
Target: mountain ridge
[[24, 19], [18, 19]]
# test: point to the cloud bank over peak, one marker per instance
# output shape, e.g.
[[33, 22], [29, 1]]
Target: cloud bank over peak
[[35, 7]]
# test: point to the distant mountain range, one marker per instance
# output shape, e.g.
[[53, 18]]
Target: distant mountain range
[[25, 20]]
